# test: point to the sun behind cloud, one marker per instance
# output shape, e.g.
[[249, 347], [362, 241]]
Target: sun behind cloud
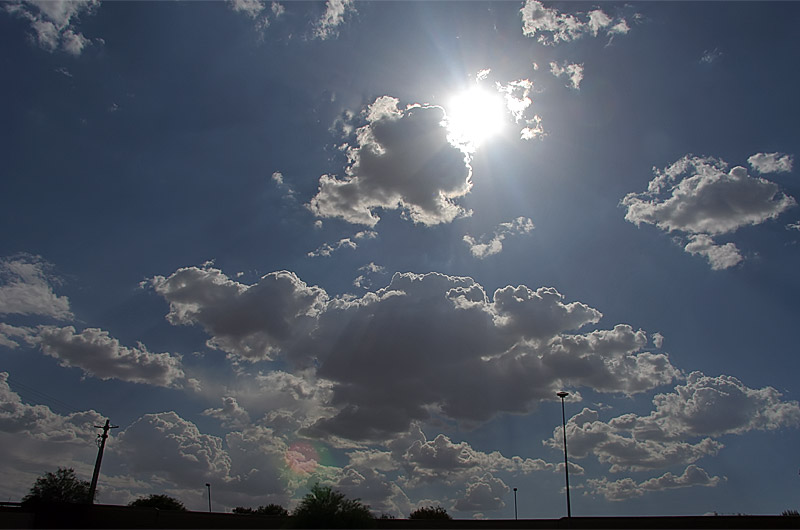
[[474, 116]]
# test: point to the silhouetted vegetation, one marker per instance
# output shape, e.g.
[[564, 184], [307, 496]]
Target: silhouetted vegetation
[[61, 486], [162, 502], [790, 513], [274, 510], [324, 507], [430, 512]]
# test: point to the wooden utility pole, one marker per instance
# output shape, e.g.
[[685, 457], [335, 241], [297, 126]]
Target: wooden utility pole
[[101, 444]]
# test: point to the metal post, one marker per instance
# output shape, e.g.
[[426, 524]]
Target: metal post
[[562, 395], [209, 496], [101, 446], [515, 504]]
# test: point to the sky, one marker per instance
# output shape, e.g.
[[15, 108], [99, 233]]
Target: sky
[[366, 243]]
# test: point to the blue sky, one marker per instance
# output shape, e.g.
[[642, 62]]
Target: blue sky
[[365, 243]]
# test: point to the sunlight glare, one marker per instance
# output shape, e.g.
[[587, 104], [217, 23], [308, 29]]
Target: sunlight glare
[[474, 116]]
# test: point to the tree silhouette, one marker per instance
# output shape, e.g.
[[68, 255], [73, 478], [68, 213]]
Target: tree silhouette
[[324, 507], [162, 502], [273, 510], [61, 486], [430, 512]]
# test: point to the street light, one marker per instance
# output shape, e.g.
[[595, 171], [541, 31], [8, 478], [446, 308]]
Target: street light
[[562, 395], [209, 496], [515, 504]]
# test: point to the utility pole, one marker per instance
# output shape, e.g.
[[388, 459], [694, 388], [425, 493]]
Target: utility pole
[[101, 444]]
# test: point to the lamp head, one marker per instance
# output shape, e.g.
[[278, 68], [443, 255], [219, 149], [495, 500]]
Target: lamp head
[[562, 394]]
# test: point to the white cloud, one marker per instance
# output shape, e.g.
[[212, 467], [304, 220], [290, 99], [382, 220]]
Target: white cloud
[[771, 162], [718, 256], [257, 10], [420, 346], [551, 27], [626, 488], [483, 493], [484, 246], [335, 12], [369, 271], [231, 414], [99, 355], [702, 408], [10, 335], [572, 71], [698, 197], [402, 160], [26, 288], [327, 249], [248, 321], [184, 456], [54, 22], [709, 56]]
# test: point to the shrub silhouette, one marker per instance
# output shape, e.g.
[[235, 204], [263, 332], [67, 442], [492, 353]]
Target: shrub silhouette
[[61, 486], [324, 507], [430, 512], [273, 510], [162, 502]]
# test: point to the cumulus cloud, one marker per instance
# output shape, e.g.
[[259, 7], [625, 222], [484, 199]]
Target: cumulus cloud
[[41, 423], [368, 271], [54, 22], [771, 162], [627, 488], [403, 160], [327, 249], [99, 355], [421, 345], [701, 409], [718, 256], [571, 71], [335, 12], [249, 321], [231, 414], [550, 27], [26, 288], [483, 493], [485, 246], [698, 197]]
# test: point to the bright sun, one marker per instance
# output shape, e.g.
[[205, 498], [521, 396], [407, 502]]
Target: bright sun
[[475, 115]]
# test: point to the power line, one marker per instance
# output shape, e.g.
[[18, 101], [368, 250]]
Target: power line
[[38, 397]]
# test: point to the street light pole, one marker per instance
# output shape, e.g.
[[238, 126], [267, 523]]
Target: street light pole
[[209, 496], [515, 504], [562, 395]]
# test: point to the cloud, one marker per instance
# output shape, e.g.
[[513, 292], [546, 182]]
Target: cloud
[[249, 321], [231, 414], [771, 162], [369, 271], [709, 56], [99, 355], [719, 256], [26, 288], [327, 249], [184, 456], [626, 488], [402, 160], [335, 12], [698, 197], [54, 22], [481, 248], [551, 27], [257, 10], [702, 408], [422, 345], [41, 423], [10, 335], [483, 494], [573, 72]]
